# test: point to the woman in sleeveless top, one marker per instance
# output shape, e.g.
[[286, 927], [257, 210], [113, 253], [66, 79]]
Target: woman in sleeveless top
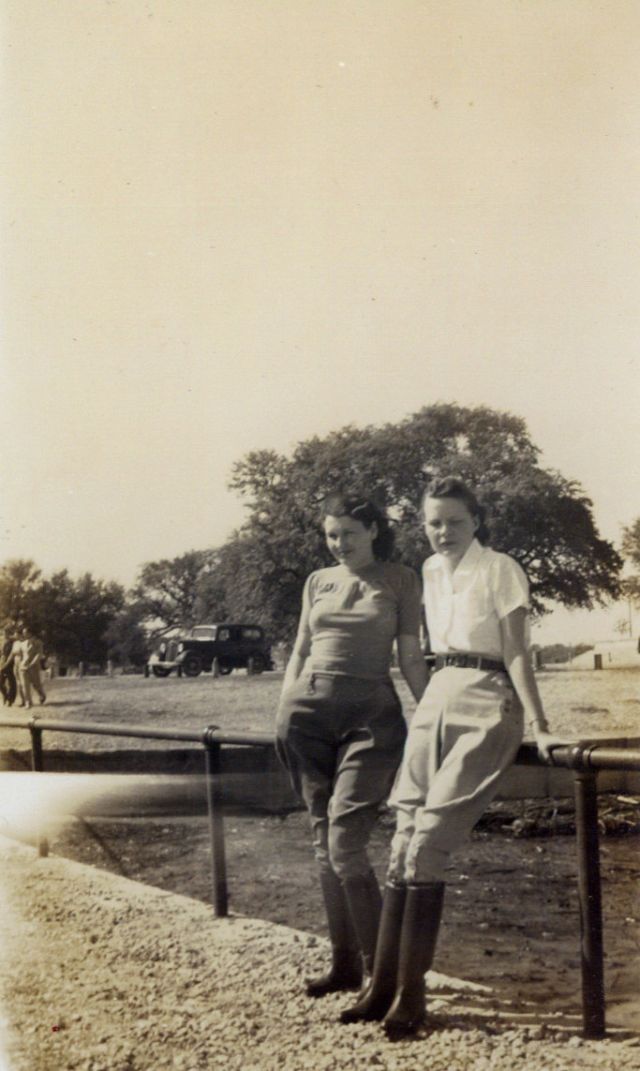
[[340, 730]]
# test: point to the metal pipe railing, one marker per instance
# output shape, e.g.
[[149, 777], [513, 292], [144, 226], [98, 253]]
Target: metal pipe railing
[[584, 758], [194, 736], [210, 738], [590, 901]]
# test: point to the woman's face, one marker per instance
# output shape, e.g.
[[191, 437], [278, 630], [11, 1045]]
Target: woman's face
[[450, 527], [350, 541]]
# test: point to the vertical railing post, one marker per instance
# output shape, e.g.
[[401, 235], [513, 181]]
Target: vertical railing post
[[216, 824], [591, 941], [37, 765]]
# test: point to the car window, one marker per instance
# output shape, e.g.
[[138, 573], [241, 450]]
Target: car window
[[223, 635], [251, 633]]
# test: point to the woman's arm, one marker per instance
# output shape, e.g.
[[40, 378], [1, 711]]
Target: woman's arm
[[412, 664], [518, 663], [302, 645], [294, 667]]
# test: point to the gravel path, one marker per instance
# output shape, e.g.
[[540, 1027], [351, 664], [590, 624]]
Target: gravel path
[[106, 974]]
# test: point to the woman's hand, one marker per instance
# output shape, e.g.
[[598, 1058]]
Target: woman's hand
[[399, 844], [293, 670], [412, 664], [545, 743], [518, 663]]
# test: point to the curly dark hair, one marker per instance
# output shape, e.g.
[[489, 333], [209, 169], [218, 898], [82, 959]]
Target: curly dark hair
[[455, 487], [367, 512]]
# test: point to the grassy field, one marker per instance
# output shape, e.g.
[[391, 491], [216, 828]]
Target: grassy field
[[579, 703]]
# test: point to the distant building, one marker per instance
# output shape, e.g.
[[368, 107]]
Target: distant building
[[610, 654]]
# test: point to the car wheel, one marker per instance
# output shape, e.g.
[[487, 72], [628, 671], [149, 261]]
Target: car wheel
[[192, 665], [160, 671]]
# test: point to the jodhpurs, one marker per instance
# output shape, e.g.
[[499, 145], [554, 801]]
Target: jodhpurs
[[341, 740], [27, 678], [465, 733]]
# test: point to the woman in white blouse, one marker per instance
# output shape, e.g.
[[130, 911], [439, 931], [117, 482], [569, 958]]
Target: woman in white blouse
[[465, 733]]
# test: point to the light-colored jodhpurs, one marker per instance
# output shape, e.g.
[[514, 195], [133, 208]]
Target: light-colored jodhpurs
[[465, 733], [341, 740], [27, 678]]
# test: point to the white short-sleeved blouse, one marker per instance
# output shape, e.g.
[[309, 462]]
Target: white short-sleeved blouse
[[464, 607]]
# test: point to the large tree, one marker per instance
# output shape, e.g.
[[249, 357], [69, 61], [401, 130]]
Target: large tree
[[631, 551], [19, 580], [166, 591], [127, 641], [72, 616], [537, 515]]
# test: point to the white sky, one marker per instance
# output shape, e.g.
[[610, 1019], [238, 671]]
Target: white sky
[[231, 225]]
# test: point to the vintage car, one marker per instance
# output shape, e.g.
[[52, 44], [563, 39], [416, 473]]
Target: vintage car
[[234, 647]]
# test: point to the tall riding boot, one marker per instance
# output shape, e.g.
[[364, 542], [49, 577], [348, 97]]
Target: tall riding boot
[[376, 998], [346, 967], [365, 904], [420, 925]]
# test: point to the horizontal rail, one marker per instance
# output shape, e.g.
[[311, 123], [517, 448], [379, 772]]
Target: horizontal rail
[[583, 754], [210, 735], [591, 755]]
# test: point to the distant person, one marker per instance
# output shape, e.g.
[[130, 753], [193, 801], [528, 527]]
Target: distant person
[[340, 729], [465, 733], [28, 656], [8, 684]]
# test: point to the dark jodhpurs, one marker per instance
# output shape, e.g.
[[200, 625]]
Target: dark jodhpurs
[[341, 740]]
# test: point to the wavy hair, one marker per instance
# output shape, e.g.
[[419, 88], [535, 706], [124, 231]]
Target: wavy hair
[[368, 513], [454, 487]]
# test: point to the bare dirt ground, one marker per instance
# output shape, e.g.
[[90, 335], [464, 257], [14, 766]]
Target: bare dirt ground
[[142, 977], [101, 973], [511, 918]]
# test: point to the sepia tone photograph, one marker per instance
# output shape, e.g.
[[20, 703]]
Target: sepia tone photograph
[[320, 535]]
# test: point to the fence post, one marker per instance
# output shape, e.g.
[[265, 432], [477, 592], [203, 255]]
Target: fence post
[[37, 765], [216, 824], [591, 941]]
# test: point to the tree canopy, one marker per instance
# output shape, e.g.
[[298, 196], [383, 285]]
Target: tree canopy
[[535, 514], [543, 519], [166, 593], [19, 579], [631, 550], [70, 616]]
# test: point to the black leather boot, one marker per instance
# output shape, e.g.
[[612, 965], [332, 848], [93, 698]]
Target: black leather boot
[[376, 998], [420, 925], [365, 904], [345, 971]]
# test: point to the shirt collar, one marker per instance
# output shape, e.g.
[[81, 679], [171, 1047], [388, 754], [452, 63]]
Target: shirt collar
[[471, 558], [465, 566]]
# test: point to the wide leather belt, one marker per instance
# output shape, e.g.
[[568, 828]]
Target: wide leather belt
[[468, 661]]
